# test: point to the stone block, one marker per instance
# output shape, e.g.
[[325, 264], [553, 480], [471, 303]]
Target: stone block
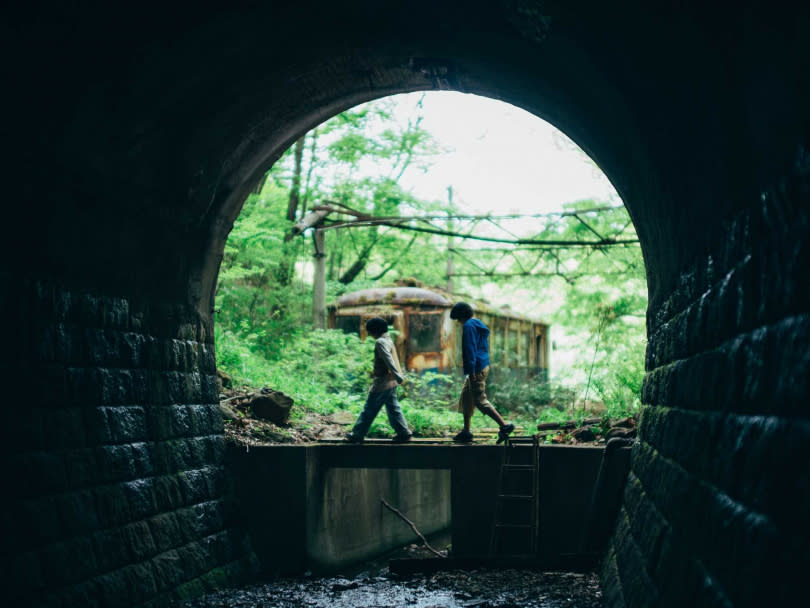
[[133, 349], [168, 493], [97, 425], [165, 531], [64, 428], [138, 537], [112, 506], [115, 463], [181, 421], [78, 512], [113, 589], [140, 496], [159, 421], [209, 389], [116, 386], [69, 562], [168, 569], [81, 468], [142, 459], [207, 356], [127, 423], [637, 587], [141, 583], [111, 548], [115, 312], [82, 387], [86, 310]]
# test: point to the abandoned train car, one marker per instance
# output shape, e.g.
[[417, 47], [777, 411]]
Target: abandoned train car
[[428, 340]]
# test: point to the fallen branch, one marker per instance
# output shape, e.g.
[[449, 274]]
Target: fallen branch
[[413, 527]]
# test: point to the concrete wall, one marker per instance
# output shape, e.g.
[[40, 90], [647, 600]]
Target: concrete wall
[[352, 524], [319, 508], [302, 513]]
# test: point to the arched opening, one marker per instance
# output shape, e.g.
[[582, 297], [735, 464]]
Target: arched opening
[[353, 169], [153, 130]]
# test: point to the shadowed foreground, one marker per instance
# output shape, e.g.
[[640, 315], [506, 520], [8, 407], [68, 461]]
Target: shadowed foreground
[[480, 588]]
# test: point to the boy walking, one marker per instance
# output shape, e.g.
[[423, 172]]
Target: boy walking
[[475, 359], [383, 390]]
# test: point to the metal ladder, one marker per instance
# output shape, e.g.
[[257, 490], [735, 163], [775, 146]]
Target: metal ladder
[[517, 485]]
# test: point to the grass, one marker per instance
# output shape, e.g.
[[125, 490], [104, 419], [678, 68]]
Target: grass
[[328, 371]]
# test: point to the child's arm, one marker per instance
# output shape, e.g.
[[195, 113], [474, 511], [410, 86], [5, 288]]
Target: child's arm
[[387, 358], [469, 347]]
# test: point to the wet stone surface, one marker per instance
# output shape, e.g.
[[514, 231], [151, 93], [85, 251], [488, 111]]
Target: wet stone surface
[[451, 589]]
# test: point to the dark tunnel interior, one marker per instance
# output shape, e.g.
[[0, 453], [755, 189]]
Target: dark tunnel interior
[[132, 138]]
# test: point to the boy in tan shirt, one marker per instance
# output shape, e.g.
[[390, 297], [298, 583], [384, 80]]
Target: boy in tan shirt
[[383, 390]]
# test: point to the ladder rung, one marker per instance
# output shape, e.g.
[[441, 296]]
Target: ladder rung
[[517, 496]]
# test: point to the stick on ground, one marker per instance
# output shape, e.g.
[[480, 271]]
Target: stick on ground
[[413, 527]]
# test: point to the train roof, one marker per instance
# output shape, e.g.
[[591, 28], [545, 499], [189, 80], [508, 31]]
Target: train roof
[[415, 294], [394, 295]]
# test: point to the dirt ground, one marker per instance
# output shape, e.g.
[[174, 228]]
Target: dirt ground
[[244, 428]]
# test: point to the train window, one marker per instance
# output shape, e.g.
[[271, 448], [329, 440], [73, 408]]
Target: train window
[[424, 333], [512, 358], [527, 349], [349, 324], [496, 341]]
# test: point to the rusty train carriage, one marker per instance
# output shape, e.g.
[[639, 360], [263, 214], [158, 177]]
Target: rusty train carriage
[[427, 339]]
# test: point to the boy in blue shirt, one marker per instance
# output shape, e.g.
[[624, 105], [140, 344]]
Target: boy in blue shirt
[[475, 358]]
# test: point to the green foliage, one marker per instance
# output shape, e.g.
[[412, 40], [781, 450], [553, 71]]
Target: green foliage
[[264, 299]]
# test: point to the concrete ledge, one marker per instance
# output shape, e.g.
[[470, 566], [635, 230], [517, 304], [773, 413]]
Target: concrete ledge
[[317, 506]]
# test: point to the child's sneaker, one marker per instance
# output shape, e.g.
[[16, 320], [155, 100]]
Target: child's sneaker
[[504, 433], [464, 436], [351, 438], [401, 438]]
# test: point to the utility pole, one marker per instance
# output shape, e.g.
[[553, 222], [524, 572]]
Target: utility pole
[[450, 242], [319, 282], [314, 219]]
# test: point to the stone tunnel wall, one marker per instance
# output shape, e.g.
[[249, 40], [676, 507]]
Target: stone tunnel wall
[[116, 452], [715, 509]]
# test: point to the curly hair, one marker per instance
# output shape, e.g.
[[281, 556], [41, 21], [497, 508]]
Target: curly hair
[[462, 311], [376, 326]]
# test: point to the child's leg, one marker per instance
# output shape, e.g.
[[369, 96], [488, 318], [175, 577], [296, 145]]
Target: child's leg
[[372, 407], [478, 386], [394, 411], [466, 403]]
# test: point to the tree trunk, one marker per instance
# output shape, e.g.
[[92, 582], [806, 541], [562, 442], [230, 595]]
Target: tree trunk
[[295, 189], [359, 264]]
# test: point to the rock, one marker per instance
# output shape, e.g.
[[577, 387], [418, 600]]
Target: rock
[[623, 433], [271, 405], [627, 423], [342, 584], [228, 412], [225, 380], [584, 433]]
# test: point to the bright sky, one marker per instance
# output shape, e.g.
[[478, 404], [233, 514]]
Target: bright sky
[[500, 158]]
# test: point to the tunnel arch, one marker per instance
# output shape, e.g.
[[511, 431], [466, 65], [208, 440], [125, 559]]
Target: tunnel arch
[[134, 140]]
